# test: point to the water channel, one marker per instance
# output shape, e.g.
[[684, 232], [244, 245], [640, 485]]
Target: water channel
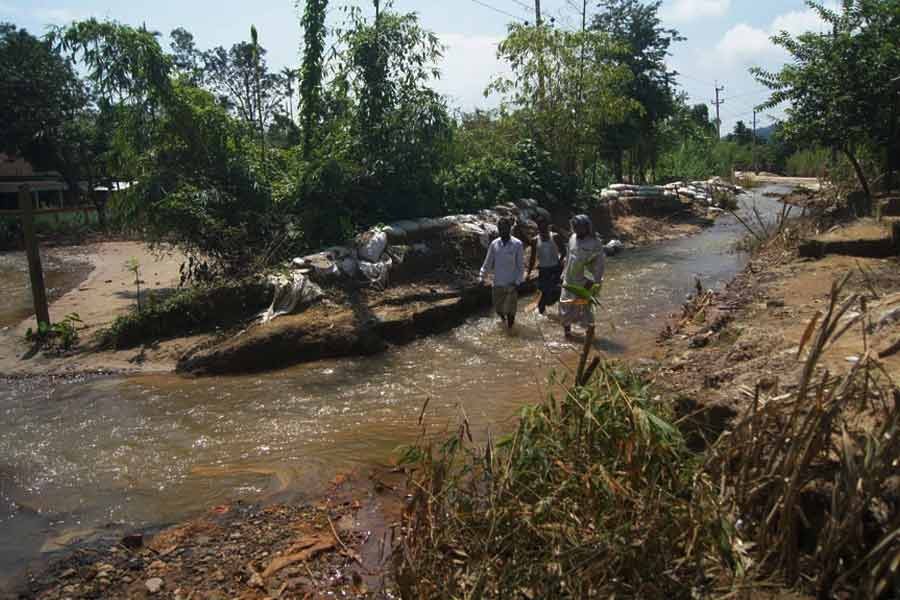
[[116, 453]]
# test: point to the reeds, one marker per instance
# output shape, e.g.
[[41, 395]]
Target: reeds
[[807, 472], [596, 495]]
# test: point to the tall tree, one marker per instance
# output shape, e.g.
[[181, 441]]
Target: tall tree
[[240, 78], [637, 28], [44, 105], [595, 92], [838, 85], [288, 79], [186, 58], [313, 23]]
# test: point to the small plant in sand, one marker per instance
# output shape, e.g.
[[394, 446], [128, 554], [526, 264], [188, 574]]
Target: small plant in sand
[[58, 337], [134, 267]]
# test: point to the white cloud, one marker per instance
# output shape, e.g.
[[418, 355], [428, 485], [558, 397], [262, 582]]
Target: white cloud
[[746, 45], [684, 11], [469, 64], [798, 22]]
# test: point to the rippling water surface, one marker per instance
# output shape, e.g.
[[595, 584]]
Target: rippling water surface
[[83, 456]]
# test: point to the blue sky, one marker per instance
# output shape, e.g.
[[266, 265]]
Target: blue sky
[[724, 37]]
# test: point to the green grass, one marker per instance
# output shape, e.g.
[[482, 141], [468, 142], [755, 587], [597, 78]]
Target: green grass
[[188, 311]]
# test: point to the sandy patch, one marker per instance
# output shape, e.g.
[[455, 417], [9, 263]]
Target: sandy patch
[[107, 293]]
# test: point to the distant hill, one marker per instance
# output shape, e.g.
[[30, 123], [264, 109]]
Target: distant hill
[[766, 132]]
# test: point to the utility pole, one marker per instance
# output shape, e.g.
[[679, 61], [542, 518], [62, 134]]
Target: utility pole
[[537, 12], [35, 271], [755, 167], [718, 103]]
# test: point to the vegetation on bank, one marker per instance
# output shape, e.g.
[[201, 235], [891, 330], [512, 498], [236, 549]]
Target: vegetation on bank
[[596, 494], [243, 166], [199, 309]]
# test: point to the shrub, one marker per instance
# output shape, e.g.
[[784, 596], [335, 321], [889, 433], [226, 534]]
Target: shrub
[[595, 494], [191, 310], [57, 338]]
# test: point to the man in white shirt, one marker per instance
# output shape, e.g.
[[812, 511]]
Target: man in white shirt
[[506, 260]]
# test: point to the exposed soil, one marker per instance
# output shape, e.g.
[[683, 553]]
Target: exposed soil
[[107, 292], [336, 547], [749, 334], [638, 231]]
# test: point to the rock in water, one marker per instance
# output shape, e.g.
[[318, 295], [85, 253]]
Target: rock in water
[[613, 247]]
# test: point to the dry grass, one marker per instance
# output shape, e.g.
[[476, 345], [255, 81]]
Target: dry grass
[[809, 472], [596, 495]]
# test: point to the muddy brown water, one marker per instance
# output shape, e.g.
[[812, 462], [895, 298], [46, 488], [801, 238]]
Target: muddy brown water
[[94, 457], [61, 274]]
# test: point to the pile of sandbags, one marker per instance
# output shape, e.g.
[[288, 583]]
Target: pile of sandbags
[[643, 198], [372, 255], [648, 193], [712, 192]]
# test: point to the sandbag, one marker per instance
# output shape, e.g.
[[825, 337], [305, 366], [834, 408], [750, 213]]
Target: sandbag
[[291, 292], [377, 272], [371, 245]]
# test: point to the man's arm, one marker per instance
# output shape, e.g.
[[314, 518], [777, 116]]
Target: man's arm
[[488, 265], [520, 264], [533, 257], [563, 248]]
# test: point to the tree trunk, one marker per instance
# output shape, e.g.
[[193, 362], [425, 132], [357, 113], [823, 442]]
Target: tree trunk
[[618, 168], [893, 156], [859, 173]]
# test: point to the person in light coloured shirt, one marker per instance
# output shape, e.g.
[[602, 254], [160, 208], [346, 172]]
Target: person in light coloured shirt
[[547, 250], [506, 260], [585, 264]]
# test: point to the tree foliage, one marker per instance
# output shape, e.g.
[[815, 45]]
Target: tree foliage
[[636, 27], [567, 88], [838, 87], [311, 72], [42, 103]]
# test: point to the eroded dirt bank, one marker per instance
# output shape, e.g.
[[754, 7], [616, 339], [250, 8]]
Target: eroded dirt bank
[[432, 291]]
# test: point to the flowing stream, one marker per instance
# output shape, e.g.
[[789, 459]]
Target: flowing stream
[[78, 457]]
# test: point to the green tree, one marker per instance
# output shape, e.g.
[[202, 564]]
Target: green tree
[[239, 77], [43, 104], [741, 134], [186, 58], [313, 23], [645, 43], [839, 85], [567, 88]]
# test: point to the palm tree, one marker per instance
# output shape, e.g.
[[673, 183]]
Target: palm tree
[[290, 76]]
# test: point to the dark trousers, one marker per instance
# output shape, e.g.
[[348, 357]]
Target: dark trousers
[[549, 283]]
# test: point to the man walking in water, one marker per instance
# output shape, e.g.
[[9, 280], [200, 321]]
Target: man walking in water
[[585, 264], [506, 260], [548, 250]]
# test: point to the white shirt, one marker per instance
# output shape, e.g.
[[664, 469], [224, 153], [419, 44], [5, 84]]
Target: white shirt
[[506, 261], [547, 251]]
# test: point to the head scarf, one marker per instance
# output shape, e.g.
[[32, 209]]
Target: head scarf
[[583, 220]]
